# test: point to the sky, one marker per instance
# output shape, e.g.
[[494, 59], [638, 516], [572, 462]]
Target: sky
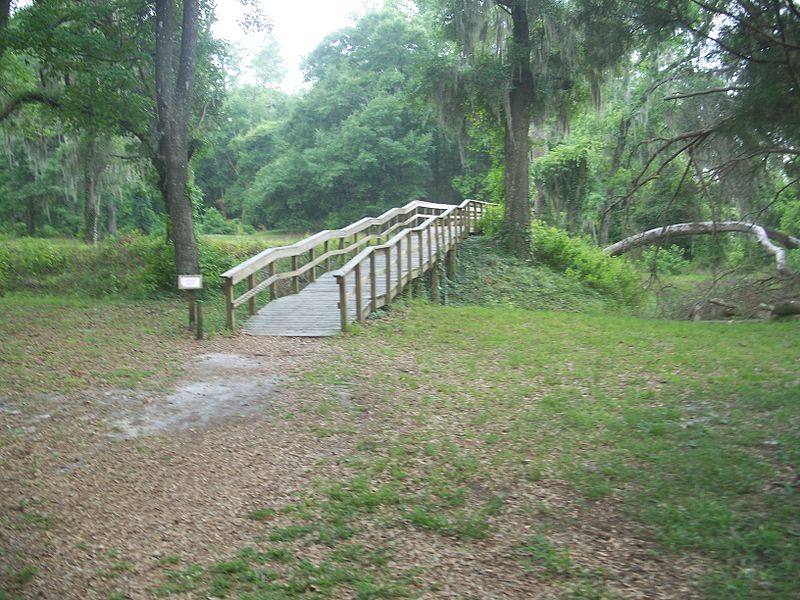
[[298, 28]]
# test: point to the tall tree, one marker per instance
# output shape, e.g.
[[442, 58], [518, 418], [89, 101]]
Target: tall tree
[[523, 61], [173, 98]]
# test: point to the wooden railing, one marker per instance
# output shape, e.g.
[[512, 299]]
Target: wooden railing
[[439, 234], [302, 260]]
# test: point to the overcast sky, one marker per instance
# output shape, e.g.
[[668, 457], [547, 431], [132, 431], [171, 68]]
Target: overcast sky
[[297, 26]]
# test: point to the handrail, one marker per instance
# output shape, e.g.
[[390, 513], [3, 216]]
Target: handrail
[[460, 220], [268, 258]]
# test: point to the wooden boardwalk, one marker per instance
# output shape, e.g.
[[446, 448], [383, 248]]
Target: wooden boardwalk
[[382, 256], [315, 311]]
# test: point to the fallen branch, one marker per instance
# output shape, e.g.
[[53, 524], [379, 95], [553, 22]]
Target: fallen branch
[[709, 227]]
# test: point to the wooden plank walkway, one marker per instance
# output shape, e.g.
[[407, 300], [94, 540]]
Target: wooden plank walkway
[[314, 311]]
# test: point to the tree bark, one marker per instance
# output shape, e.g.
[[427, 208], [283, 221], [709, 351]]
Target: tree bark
[[173, 97], [709, 227], [90, 210], [517, 218], [111, 222]]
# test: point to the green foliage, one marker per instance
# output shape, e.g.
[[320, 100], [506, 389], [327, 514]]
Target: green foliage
[[666, 261], [215, 223], [491, 223], [489, 276], [585, 262], [132, 265]]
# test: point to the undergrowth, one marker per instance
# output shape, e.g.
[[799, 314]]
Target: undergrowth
[[489, 276]]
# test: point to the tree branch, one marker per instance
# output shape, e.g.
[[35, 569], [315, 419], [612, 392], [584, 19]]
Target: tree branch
[[710, 227], [28, 98], [705, 92]]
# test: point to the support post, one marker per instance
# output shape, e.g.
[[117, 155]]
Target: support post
[[359, 299], [435, 282], [340, 259], [199, 334], [295, 278], [312, 256], [328, 258], [251, 303], [229, 321], [451, 263], [192, 309], [373, 283], [342, 281]]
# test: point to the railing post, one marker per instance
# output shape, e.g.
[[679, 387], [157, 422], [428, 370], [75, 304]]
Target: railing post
[[474, 211], [388, 273], [410, 253], [373, 283], [273, 287], [295, 278], [340, 259], [421, 253], [229, 321], [359, 299], [399, 265], [342, 281], [430, 245], [312, 255], [251, 303], [327, 258]]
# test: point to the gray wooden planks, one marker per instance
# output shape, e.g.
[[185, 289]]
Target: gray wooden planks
[[314, 311]]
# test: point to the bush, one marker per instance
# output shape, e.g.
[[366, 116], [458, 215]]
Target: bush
[[666, 261], [586, 262], [491, 223], [214, 223]]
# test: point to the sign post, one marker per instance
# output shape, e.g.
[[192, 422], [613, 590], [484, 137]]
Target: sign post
[[191, 283]]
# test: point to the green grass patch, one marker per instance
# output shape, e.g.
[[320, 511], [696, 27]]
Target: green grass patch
[[690, 429], [61, 344]]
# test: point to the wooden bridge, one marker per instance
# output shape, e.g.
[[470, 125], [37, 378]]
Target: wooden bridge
[[375, 259]]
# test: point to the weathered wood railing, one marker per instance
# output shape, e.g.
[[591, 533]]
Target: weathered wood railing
[[303, 259], [439, 234]]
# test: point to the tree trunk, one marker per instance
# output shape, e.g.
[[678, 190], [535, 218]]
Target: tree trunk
[[90, 210], [616, 162], [30, 217], [111, 222], [173, 97], [709, 227], [517, 220]]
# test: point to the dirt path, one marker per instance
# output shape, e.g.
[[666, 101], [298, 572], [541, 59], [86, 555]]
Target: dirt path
[[99, 490], [99, 486]]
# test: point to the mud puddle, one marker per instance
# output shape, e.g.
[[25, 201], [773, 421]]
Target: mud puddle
[[219, 387]]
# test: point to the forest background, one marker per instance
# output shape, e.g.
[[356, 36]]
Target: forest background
[[638, 114]]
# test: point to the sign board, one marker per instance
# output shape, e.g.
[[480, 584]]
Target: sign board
[[190, 282]]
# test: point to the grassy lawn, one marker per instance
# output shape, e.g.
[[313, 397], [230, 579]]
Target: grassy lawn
[[686, 432], [543, 437], [64, 344]]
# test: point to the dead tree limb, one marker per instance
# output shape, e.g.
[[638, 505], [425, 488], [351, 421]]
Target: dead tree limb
[[707, 227]]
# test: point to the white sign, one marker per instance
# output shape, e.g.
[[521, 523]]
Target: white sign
[[190, 282]]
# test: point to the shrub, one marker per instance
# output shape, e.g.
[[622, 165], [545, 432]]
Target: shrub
[[586, 262], [215, 223], [667, 261], [491, 222]]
